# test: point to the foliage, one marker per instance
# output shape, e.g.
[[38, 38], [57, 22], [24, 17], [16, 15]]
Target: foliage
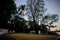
[[36, 13], [31, 23], [7, 8], [18, 23]]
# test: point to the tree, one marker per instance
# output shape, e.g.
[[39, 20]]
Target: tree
[[50, 19], [36, 8], [18, 22], [36, 13], [31, 25], [20, 25], [7, 8]]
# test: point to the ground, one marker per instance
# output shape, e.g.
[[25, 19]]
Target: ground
[[21, 36]]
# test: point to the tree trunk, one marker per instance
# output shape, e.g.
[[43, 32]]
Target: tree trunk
[[36, 28], [49, 28]]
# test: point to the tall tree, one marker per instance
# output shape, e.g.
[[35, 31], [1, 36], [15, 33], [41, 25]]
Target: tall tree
[[36, 8], [7, 8], [36, 12]]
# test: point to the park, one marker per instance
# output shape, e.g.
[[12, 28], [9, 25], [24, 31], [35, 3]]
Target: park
[[29, 20]]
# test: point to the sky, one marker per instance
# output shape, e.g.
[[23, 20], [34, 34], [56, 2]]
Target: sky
[[53, 7]]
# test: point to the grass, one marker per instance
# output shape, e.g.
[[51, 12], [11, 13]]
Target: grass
[[32, 37]]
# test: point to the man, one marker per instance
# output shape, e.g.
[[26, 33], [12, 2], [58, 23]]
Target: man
[[22, 12], [22, 9]]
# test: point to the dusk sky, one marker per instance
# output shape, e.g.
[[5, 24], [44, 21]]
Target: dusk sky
[[53, 7]]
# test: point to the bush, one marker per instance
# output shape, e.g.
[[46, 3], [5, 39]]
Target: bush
[[52, 33]]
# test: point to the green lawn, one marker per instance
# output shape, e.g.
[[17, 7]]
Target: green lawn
[[32, 37]]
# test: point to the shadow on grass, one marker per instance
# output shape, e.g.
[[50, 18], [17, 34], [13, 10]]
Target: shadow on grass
[[5, 37]]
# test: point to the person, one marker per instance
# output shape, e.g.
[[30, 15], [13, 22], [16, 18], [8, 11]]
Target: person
[[22, 9], [22, 12]]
